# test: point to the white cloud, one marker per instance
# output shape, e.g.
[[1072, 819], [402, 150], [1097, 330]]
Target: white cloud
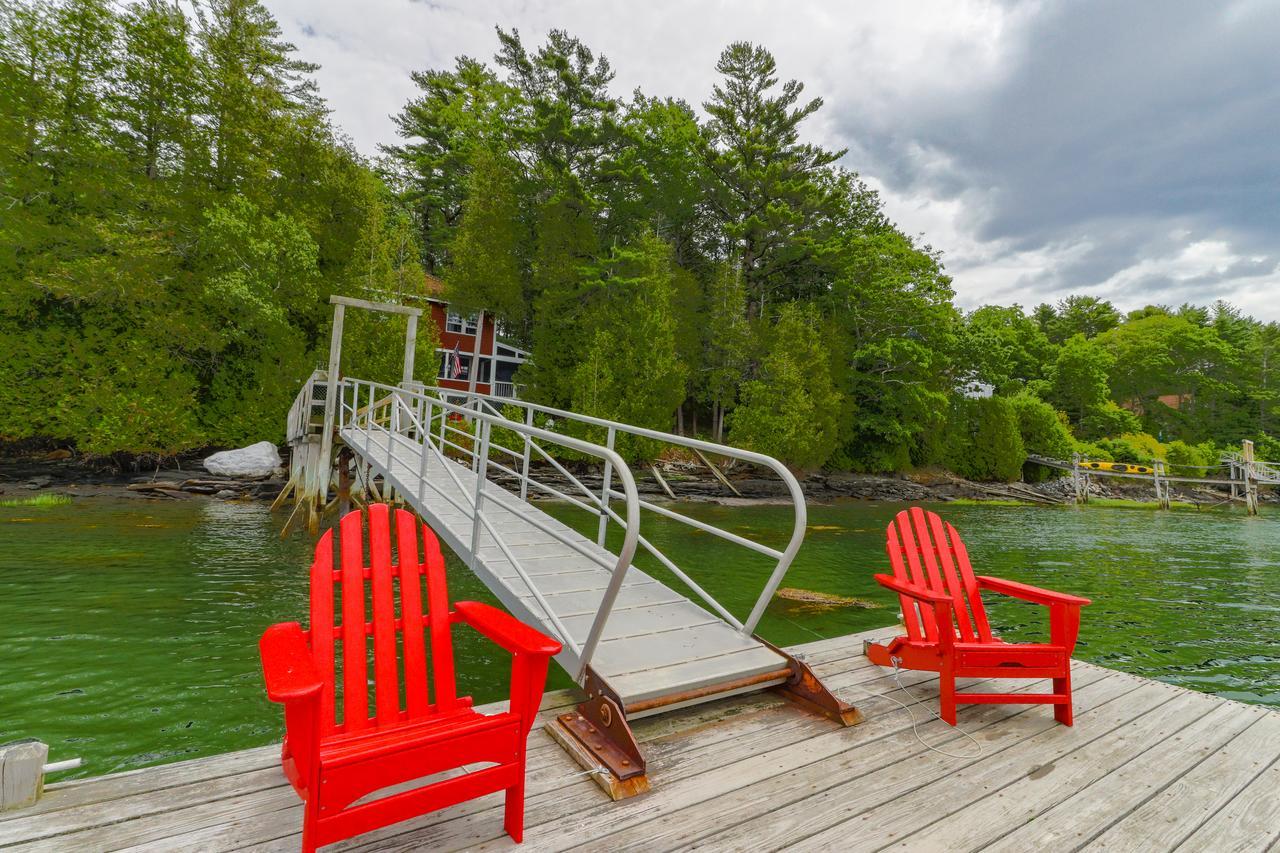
[[1046, 148]]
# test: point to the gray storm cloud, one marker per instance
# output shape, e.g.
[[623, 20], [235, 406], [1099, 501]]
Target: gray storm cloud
[[1124, 150]]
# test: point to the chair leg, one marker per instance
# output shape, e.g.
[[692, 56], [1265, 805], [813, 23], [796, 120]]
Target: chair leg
[[947, 695], [310, 817], [1062, 712], [513, 820]]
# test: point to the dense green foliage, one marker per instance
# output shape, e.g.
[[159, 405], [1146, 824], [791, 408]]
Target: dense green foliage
[[177, 209], [984, 440]]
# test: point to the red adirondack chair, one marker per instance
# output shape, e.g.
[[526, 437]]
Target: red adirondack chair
[[334, 762], [947, 629]]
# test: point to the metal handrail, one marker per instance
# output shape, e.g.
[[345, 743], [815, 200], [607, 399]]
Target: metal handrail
[[479, 454], [784, 557], [298, 423]]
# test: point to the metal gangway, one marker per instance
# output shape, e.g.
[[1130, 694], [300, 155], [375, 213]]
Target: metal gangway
[[474, 467]]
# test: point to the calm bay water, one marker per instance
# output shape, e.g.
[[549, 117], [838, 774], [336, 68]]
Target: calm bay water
[[128, 629]]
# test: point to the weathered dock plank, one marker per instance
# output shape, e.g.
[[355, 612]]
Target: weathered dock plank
[[1147, 766], [1090, 811], [1253, 815], [1181, 807]]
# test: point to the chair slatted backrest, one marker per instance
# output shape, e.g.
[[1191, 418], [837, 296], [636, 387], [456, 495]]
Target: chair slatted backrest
[[927, 552], [341, 592]]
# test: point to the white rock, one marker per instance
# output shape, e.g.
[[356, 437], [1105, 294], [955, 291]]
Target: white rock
[[250, 463]]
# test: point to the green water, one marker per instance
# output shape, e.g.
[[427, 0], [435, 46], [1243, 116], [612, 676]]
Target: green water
[[128, 629]]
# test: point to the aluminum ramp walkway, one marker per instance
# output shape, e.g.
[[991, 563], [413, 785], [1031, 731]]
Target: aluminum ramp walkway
[[656, 642]]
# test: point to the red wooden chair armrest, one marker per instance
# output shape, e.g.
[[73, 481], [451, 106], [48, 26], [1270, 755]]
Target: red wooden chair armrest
[[1026, 592], [504, 629], [918, 593], [287, 665]]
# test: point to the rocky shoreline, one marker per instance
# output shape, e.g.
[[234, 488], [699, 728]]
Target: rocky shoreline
[[185, 480]]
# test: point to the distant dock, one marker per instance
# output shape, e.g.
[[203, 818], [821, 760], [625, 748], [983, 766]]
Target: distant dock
[[1148, 766]]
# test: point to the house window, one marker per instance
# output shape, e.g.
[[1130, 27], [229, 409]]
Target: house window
[[465, 360], [455, 323], [446, 365]]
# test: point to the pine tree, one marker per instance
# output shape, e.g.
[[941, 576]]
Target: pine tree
[[631, 371], [486, 267], [727, 343], [155, 98], [792, 408], [565, 245], [252, 85], [456, 112], [766, 189]]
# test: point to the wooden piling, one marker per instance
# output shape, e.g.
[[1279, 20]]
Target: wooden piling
[[1250, 477], [21, 773], [1161, 484]]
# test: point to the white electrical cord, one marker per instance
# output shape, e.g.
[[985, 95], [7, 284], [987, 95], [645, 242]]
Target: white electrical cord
[[915, 724]]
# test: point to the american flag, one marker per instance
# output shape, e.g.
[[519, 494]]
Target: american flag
[[455, 363]]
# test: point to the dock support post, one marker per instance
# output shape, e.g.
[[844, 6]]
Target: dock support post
[[1250, 478], [1162, 484], [331, 395], [23, 765], [344, 481], [410, 348]]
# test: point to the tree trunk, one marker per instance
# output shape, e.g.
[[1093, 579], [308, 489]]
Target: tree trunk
[[680, 418]]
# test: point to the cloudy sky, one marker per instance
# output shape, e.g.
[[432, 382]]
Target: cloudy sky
[[1130, 151]]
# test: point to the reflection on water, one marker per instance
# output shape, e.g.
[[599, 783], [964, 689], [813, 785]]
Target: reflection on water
[[128, 629]]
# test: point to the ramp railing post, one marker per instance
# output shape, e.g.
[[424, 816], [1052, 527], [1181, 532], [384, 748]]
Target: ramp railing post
[[424, 434], [368, 425], [393, 427], [482, 471], [604, 492], [524, 465], [444, 419]]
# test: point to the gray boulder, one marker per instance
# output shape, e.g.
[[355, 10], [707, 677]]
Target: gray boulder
[[254, 462]]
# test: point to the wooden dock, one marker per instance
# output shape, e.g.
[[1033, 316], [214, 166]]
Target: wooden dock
[[1147, 766]]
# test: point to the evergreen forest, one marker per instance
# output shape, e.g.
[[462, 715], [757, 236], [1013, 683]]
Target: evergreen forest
[[177, 204]]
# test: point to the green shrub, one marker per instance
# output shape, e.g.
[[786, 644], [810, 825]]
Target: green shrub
[[1094, 452], [1148, 445], [1044, 432], [1108, 419], [1188, 460], [984, 442], [1123, 449], [1265, 447]]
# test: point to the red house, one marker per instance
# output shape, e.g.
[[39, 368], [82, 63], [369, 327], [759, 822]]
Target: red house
[[497, 359]]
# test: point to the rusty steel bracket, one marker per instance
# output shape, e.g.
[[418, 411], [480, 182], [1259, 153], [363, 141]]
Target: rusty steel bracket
[[806, 689], [596, 734], [605, 731]]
